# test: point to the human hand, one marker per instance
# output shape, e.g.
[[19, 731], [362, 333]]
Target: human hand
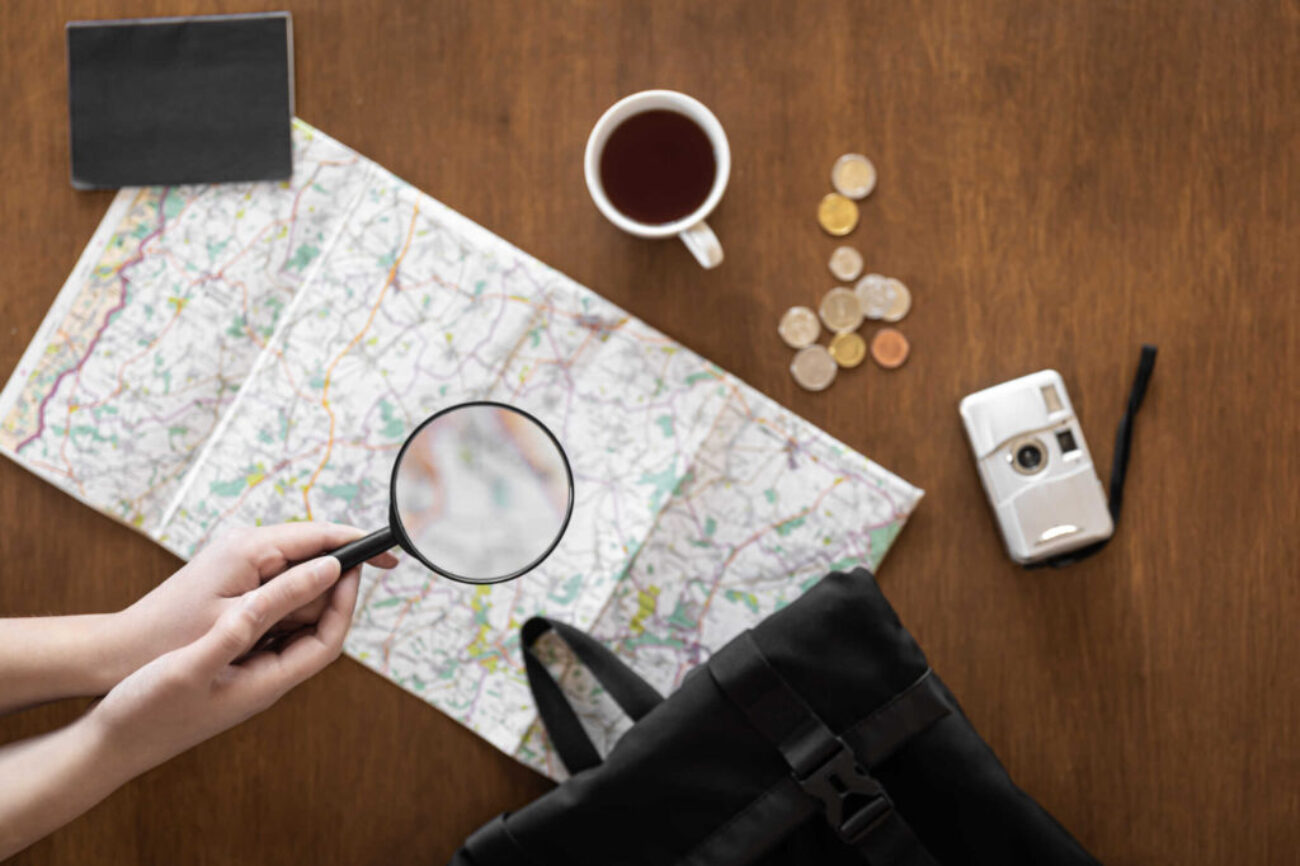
[[189, 694], [182, 664], [185, 606]]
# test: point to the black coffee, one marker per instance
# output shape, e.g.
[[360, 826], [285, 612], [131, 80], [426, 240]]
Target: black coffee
[[657, 167]]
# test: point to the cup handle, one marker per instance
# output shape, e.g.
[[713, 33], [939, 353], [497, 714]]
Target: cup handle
[[703, 244]]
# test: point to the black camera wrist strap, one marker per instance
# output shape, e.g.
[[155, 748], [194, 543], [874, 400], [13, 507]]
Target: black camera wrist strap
[[1119, 465]]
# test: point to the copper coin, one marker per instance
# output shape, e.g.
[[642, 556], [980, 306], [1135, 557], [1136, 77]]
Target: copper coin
[[889, 348]]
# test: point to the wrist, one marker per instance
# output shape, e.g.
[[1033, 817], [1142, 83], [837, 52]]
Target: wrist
[[107, 761], [119, 752], [52, 778], [112, 650]]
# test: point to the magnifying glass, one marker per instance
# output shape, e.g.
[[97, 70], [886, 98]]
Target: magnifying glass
[[481, 493]]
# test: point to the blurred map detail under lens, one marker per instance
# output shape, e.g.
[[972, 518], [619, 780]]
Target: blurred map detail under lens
[[482, 492]]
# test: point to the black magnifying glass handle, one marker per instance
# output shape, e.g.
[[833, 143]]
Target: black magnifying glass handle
[[356, 552]]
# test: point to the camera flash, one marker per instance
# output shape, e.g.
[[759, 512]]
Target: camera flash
[[1051, 398]]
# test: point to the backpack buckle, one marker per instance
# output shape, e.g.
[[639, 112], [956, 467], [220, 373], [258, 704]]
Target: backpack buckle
[[854, 801]]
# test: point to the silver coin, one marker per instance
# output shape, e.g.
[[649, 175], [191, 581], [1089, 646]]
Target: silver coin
[[846, 264], [840, 310], [813, 368], [799, 327], [876, 294], [853, 176], [901, 303]]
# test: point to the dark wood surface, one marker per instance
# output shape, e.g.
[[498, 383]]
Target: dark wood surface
[[1059, 182]]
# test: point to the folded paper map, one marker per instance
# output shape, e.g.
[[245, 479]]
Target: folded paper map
[[255, 353]]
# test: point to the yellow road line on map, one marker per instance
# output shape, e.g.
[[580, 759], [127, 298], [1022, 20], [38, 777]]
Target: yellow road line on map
[[329, 371]]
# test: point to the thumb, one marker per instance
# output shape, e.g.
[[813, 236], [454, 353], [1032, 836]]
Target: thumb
[[236, 630]]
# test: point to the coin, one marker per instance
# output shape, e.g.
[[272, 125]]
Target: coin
[[813, 368], [853, 176], [848, 350], [876, 295], [841, 310], [838, 215], [799, 327], [890, 348], [846, 263], [901, 303]]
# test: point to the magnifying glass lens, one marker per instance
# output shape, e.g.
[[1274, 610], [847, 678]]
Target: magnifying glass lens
[[482, 492]]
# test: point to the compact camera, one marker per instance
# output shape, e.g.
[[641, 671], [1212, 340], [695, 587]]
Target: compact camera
[[1035, 466]]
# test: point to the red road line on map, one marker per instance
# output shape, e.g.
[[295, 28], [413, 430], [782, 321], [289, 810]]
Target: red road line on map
[[135, 503], [121, 371], [108, 317], [293, 214], [387, 645], [329, 371], [266, 476], [49, 467], [803, 512], [67, 434], [248, 319]]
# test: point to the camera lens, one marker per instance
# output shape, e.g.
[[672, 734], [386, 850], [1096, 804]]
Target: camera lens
[[1029, 457]]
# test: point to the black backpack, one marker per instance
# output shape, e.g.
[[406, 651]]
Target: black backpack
[[821, 737]]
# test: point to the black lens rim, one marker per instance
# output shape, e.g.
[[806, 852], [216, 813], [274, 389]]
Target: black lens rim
[[1029, 448], [404, 540]]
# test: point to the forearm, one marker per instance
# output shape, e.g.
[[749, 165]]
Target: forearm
[[47, 658], [47, 781]]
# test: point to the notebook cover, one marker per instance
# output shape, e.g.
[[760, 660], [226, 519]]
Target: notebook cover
[[167, 101]]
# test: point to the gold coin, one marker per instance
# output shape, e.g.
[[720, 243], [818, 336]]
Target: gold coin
[[876, 295], [846, 264], [890, 348], [813, 368], [799, 327], [838, 215], [853, 176], [900, 304], [848, 350], [840, 310]]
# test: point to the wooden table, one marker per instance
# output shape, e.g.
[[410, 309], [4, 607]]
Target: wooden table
[[1058, 183]]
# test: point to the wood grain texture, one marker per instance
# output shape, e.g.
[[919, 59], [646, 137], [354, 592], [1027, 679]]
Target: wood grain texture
[[1058, 183]]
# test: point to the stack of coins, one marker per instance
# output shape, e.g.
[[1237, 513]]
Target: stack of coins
[[842, 310]]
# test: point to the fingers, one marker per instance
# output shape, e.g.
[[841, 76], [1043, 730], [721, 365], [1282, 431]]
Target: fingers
[[333, 625], [383, 560], [308, 613], [271, 548], [310, 653], [235, 632]]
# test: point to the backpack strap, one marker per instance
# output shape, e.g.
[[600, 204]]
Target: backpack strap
[[634, 695], [493, 843], [827, 769]]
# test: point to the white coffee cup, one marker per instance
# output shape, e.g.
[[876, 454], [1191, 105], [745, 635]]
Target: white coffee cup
[[692, 228]]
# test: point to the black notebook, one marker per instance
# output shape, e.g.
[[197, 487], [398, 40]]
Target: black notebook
[[180, 100]]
